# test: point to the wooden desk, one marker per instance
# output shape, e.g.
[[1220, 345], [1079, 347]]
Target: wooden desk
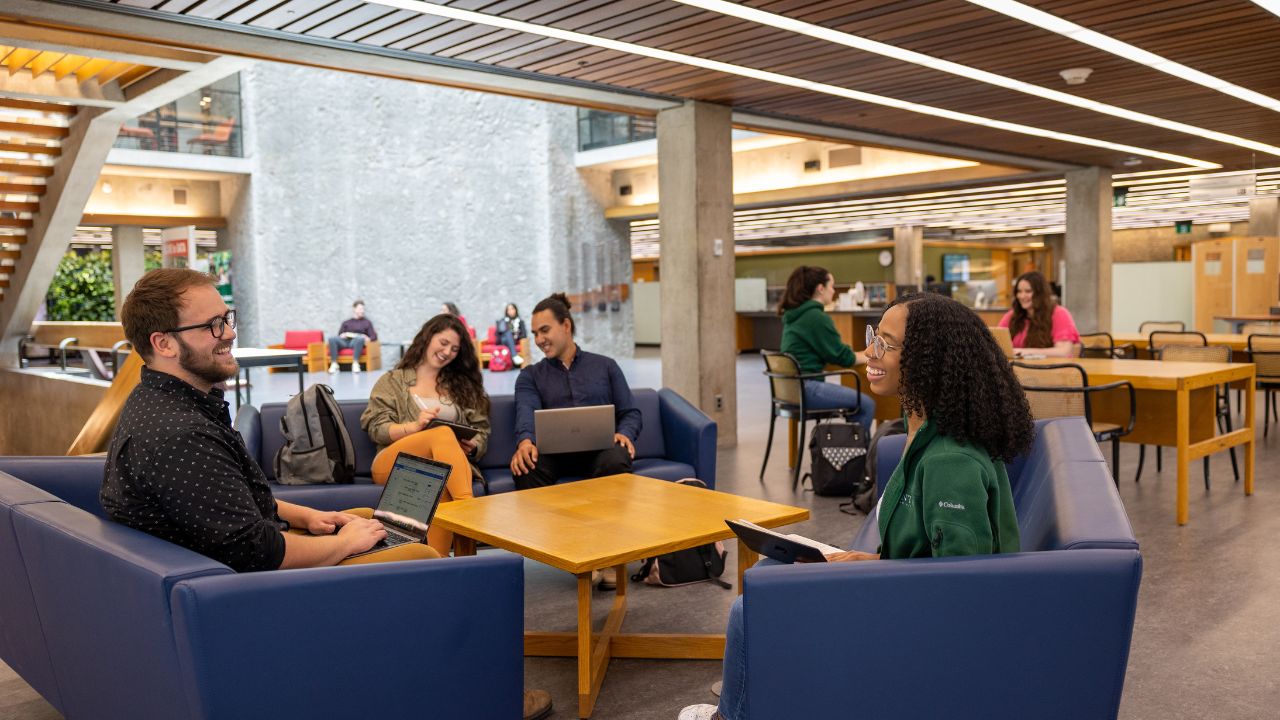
[[1239, 321], [261, 357], [1176, 405], [607, 522], [1235, 341]]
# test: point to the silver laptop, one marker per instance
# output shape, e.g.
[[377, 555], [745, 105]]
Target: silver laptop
[[409, 500], [578, 429]]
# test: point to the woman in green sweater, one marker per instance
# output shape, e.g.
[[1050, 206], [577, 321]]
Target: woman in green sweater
[[966, 417], [811, 338]]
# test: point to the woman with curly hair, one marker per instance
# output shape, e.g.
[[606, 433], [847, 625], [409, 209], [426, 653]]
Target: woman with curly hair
[[811, 338], [437, 377], [966, 417], [1038, 324]]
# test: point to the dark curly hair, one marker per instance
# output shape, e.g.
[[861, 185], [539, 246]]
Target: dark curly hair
[[801, 285], [559, 305], [1040, 323], [955, 374], [460, 380]]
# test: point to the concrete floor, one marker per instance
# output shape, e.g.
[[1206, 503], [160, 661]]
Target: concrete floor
[[1207, 635]]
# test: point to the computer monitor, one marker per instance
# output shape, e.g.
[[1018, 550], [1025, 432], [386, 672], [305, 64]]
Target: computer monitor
[[955, 267]]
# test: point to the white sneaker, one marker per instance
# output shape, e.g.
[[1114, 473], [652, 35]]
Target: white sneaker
[[355, 367], [333, 368], [700, 712], [518, 360]]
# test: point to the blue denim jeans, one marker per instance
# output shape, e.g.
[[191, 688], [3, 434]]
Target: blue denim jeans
[[337, 344], [733, 693], [820, 395], [507, 338]]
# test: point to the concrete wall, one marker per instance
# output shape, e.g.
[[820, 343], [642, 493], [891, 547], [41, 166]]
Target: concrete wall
[[1156, 244], [407, 196], [1134, 303]]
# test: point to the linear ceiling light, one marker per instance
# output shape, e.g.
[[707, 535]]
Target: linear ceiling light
[[1270, 5], [837, 37], [772, 77], [1053, 23]]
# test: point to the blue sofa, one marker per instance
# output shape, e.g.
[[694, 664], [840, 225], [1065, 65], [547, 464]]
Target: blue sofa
[[107, 622], [1043, 633], [677, 441]]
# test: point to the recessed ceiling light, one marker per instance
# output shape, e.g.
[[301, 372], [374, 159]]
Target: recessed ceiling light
[[470, 16], [1053, 23], [1073, 76]]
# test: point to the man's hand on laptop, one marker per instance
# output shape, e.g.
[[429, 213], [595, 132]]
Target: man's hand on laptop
[[525, 459], [361, 534], [624, 441], [327, 523]]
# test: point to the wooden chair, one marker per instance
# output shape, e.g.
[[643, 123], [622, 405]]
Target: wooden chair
[[220, 136], [1151, 326], [1102, 345], [1063, 390], [1265, 350], [786, 387], [1161, 339], [1198, 353]]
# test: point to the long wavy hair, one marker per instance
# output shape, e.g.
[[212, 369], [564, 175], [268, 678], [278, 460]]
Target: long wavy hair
[[955, 374], [460, 380], [801, 285], [1040, 322]]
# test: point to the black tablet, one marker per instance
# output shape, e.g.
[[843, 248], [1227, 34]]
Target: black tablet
[[463, 432], [774, 545]]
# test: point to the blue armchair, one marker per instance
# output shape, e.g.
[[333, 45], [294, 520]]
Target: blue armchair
[[1043, 633]]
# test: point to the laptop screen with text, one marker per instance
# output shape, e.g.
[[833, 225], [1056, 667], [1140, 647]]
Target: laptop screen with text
[[412, 492]]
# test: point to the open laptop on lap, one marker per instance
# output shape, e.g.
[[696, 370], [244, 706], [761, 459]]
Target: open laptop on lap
[[578, 429], [409, 500]]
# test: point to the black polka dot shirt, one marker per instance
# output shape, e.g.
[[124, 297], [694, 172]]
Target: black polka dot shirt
[[178, 470]]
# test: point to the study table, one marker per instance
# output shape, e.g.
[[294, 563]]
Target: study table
[[608, 522], [262, 357], [1237, 342], [1176, 406]]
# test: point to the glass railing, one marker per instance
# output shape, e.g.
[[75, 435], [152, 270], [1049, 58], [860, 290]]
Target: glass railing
[[206, 122], [598, 129]]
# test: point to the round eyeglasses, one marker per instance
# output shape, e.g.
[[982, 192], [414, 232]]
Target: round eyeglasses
[[876, 346], [217, 326]]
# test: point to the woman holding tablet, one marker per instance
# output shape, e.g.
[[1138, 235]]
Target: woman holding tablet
[[437, 379], [949, 496], [1038, 324]]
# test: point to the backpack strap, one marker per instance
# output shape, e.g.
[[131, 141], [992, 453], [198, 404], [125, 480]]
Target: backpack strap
[[704, 551]]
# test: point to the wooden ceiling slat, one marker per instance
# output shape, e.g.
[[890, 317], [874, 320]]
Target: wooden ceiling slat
[[389, 36], [137, 72], [374, 28], [12, 188], [91, 69], [461, 37], [214, 9], [350, 20], [147, 4], [33, 130], [247, 12], [428, 29], [45, 107], [482, 43], [289, 12], [12, 167], [43, 61], [113, 71], [321, 15], [29, 148], [18, 59]]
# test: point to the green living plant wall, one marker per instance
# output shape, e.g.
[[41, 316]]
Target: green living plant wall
[[82, 288]]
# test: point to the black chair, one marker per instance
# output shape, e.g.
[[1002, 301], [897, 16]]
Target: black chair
[[1198, 353], [1102, 345], [1265, 350], [786, 386], [1063, 390]]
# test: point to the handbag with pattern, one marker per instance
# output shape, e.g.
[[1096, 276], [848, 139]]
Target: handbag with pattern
[[837, 457]]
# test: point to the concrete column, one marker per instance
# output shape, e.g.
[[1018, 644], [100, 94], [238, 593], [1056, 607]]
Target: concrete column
[[127, 263], [1264, 216], [908, 255], [1086, 288], [695, 220]]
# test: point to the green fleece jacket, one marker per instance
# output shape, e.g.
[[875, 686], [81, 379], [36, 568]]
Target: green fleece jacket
[[946, 498], [809, 335]]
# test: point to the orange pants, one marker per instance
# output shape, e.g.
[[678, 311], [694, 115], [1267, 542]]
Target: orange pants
[[411, 551], [438, 443]]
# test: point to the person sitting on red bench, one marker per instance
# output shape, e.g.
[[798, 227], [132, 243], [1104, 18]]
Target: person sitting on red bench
[[353, 333]]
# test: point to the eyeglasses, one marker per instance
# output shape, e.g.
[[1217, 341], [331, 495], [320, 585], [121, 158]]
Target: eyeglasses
[[876, 346], [218, 326]]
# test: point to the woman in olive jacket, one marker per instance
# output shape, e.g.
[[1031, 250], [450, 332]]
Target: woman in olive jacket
[[437, 377], [966, 417]]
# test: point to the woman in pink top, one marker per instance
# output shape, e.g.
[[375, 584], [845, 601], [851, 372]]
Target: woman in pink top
[[1038, 324]]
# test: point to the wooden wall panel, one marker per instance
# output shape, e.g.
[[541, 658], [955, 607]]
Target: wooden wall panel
[[1257, 275], [1214, 265]]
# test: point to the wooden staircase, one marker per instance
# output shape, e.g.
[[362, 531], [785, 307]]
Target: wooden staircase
[[31, 135]]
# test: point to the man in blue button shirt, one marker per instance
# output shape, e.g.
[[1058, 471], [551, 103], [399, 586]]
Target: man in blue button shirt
[[569, 377]]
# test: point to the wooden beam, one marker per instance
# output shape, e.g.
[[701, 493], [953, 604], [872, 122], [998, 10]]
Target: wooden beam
[[19, 206], [14, 223], [46, 107], [153, 220], [13, 239], [10, 254], [23, 35], [33, 129], [28, 148], [25, 169], [8, 188], [27, 84], [4, 282]]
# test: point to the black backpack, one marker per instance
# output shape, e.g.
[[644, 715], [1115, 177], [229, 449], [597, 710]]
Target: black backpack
[[317, 449], [864, 494], [704, 563], [837, 458]]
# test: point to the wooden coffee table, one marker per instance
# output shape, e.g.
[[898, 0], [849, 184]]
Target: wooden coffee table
[[607, 522]]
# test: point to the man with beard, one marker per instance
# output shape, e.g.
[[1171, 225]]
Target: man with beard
[[178, 470]]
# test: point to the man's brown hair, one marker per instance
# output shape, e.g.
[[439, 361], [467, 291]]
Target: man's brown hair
[[155, 303]]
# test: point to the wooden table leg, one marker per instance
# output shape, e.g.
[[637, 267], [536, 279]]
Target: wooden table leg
[[1250, 424], [746, 558], [463, 546], [1183, 419], [792, 431], [586, 702]]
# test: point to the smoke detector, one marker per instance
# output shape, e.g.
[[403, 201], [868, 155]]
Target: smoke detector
[[1076, 76]]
